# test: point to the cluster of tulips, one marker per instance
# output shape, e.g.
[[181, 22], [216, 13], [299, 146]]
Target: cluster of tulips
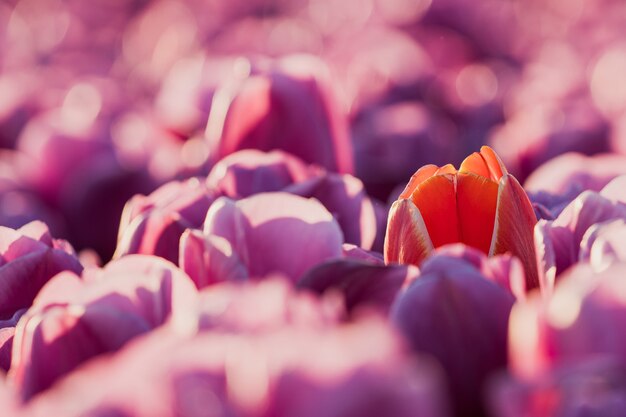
[[312, 208]]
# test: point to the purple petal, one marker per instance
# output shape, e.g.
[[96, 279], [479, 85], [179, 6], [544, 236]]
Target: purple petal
[[152, 225], [356, 253], [345, 197], [251, 171], [288, 107], [276, 232], [209, 259], [453, 313], [362, 285], [595, 388], [558, 242], [580, 321], [604, 244], [74, 320]]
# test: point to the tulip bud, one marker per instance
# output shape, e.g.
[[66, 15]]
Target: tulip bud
[[480, 205]]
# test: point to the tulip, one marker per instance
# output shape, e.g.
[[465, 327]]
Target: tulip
[[571, 237], [559, 181], [254, 358], [250, 171], [457, 310], [258, 236], [591, 389], [153, 224], [285, 104], [480, 205], [74, 319], [362, 284], [580, 322]]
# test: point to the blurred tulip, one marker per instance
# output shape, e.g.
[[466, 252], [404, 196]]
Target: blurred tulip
[[288, 105], [546, 129], [579, 322], [460, 316], [252, 361], [591, 389], [259, 235], [29, 258], [250, 171], [568, 239], [153, 224], [557, 182], [74, 319], [481, 205], [362, 284]]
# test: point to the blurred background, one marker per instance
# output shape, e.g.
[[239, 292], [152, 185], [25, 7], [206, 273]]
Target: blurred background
[[105, 99]]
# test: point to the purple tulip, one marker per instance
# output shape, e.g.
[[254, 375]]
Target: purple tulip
[[580, 321], [562, 242], [243, 365], [596, 389], [153, 224], [29, 257], [391, 141], [74, 320], [604, 244], [557, 182], [362, 284], [534, 135], [285, 105], [261, 235], [249, 172], [455, 313], [7, 332], [72, 165]]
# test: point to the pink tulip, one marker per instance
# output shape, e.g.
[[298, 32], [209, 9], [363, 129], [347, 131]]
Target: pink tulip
[[73, 319], [153, 224], [250, 171], [259, 235], [285, 105], [568, 239], [254, 358], [580, 321]]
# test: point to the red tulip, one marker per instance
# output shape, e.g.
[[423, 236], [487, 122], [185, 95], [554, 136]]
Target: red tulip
[[480, 205]]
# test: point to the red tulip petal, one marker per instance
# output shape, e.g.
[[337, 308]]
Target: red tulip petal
[[419, 177], [436, 200], [485, 164], [493, 161], [407, 239], [446, 169], [476, 204], [424, 173], [513, 232]]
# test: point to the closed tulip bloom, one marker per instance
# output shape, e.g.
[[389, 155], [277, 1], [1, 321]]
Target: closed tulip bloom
[[480, 205], [285, 104]]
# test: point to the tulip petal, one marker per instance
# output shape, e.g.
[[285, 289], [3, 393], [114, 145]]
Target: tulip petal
[[436, 201], [268, 230], [209, 259], [407, 239], [485, 164], [419, 177], [360, 283], [513, 230], [476, 209], [615, 190]]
